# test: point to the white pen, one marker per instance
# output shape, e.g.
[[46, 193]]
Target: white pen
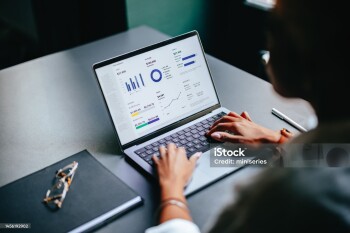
[[288, 120]]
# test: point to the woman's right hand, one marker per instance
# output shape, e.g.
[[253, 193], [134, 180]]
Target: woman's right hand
[[237, 128]]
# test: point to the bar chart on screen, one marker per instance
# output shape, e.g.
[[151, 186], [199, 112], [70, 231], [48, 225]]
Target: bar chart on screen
[[134, 83]]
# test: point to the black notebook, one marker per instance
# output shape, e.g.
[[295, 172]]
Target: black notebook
[[95, 196]]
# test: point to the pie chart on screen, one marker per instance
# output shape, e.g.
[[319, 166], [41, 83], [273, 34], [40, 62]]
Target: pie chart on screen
[[156, 75]]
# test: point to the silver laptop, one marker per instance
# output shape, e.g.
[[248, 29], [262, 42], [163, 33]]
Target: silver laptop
[[160, 94]]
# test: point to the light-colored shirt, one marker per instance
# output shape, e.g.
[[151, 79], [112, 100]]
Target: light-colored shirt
[[175, 226]]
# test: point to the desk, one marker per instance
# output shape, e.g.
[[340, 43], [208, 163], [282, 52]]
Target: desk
[[51, 107]]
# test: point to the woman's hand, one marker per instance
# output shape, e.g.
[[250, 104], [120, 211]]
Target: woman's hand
[[174, 169], [174, 172], [237, 128]]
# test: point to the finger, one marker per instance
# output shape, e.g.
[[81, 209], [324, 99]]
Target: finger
[[230, 114], [155, 160], [162, 151], [195, 157], [171, 149], [224, 120], [231, 126], [233, 114], [181, 151], [226, 137], [246, 116]]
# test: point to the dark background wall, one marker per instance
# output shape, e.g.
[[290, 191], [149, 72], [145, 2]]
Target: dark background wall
[[33, 28], [230, 30]]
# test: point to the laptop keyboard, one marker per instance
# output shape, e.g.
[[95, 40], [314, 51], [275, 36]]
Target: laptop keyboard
[[192, 138]]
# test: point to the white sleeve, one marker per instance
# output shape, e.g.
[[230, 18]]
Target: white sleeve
[[175, 226]]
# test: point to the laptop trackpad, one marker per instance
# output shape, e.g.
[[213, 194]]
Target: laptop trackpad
[[211, 171], [205, 174], [199, 179]]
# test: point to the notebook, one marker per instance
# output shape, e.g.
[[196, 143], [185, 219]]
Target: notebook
[[95, 197], [160, 94]]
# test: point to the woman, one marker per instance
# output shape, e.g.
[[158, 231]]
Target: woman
[[309, 48]]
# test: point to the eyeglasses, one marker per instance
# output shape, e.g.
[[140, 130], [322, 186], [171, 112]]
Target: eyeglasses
[[64, 177]]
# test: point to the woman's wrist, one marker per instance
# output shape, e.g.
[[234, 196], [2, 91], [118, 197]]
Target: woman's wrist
[[272, 136], [173, 204], [172, 191]]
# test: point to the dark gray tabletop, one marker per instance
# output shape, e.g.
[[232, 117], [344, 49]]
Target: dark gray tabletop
[[51, 108]]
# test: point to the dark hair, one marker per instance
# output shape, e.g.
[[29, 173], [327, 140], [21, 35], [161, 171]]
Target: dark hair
[[309, 47], [317, 29]]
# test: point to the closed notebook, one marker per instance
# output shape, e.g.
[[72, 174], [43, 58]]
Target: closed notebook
[[95, 196]]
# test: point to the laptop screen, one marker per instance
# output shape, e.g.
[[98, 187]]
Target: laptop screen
[[156, 87]]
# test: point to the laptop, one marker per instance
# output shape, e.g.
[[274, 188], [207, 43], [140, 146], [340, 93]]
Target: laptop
[[160, 94]]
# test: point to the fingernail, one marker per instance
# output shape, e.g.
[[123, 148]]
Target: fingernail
[[216, 135], [198, 154]]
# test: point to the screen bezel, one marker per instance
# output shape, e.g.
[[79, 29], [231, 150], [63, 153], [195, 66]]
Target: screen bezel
[[147, 49]]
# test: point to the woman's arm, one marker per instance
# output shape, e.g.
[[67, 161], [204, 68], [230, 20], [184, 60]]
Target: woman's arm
[[175, 169], [174, 172]]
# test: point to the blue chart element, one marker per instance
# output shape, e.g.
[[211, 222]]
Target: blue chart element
[[188, 57], [137, 82], [189, 63], [142, 80], [154, 77], [134, 85]]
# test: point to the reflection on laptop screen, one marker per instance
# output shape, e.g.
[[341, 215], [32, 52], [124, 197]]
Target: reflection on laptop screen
[[154, 89]]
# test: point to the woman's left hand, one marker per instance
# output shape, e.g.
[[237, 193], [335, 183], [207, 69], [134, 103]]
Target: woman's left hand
[[174, 168]]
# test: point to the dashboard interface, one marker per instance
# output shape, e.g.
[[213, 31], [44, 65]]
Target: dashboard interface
[[154, 89]]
